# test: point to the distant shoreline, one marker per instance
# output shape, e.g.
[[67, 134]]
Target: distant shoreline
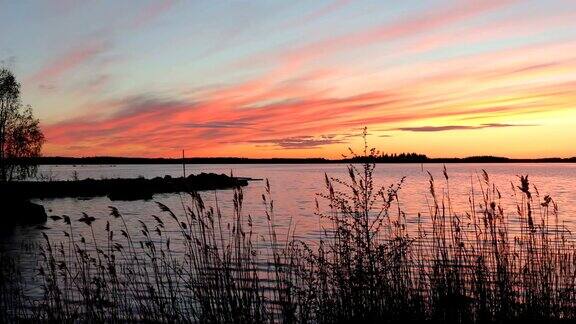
[[393, 159]]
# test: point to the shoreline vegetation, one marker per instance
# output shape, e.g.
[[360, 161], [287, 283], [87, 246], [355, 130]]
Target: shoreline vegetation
[[386, 158], [487, 264]]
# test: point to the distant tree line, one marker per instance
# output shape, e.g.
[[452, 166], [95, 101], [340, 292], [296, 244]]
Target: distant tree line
[[384, 158], [392, 158]]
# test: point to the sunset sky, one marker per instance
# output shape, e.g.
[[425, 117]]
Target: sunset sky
[[296, 78]]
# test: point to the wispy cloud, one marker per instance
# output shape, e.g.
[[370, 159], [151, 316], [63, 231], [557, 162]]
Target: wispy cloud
[[152, 12], [320, 12], [95, 44], [408, 26], [69, 61], [457, 127], [299, 142], [219, 124]]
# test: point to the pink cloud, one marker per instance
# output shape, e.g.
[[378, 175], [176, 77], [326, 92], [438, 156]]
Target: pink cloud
[[319, 13], [290, 62], [406, 27], [86, 51], [151, 12], [68, 61], [149, 126]]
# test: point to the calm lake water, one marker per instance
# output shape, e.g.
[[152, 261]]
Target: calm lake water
[[294, 189]]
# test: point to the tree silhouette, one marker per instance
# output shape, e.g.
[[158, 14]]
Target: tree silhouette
[[20, 133]]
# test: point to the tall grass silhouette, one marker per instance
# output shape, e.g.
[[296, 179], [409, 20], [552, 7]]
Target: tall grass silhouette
[[369, 264]]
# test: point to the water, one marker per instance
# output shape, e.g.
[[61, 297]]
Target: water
[[294, 186], [294, 189]]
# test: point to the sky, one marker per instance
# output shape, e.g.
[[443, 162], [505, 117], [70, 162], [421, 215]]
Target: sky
[[296, 78]]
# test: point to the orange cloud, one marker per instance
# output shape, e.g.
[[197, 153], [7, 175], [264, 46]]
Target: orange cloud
[[158, 127]]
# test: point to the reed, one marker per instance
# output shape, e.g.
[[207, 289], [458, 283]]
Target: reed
[[369, 264]]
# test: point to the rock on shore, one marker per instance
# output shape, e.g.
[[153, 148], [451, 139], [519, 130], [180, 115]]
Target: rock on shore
[[23, 212]]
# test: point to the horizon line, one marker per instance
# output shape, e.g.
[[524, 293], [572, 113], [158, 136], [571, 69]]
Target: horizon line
[[417, 158]]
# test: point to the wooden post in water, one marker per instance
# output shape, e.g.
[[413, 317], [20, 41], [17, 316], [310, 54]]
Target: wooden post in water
[[183, 165]]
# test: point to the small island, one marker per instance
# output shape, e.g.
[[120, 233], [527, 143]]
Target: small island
[[119, 189], [19, 193]]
